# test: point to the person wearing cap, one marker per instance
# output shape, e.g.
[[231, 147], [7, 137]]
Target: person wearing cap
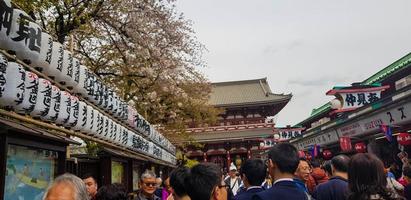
[[233, 181]]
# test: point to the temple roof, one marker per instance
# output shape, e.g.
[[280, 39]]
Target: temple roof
[[245, 92]]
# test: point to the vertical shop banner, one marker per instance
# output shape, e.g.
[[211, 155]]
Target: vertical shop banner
[[29, 172], [345, 144]]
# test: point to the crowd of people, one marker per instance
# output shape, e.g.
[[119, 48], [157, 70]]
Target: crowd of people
[[284, 175]]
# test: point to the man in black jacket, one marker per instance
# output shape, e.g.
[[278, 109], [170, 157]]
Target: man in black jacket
[[253, 174], [337, 186]]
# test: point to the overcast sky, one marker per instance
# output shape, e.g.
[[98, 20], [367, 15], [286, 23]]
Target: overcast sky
[[302, 47]]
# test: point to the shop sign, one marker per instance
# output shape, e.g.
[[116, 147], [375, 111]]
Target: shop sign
[[320, 139], [350, 130], [287, 134], [351, 98]]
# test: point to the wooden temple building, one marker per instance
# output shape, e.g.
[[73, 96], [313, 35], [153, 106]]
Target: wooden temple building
[[241, 126]]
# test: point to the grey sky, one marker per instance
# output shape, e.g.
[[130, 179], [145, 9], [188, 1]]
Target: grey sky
[[302, 47]]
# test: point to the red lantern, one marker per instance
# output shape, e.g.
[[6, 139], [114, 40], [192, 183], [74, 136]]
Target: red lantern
[[327, 154], [345, 143], [301, 154], [360, 147], [404, 139]]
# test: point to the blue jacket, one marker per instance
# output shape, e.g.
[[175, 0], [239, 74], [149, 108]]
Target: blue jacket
[[248, 194], [335, 189], [282, 190]]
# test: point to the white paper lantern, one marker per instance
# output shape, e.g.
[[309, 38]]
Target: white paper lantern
[[100, 126], [106, 127], [7, 18], [3, 69], [76, 73], [25, 37], [124, 137], [110, 102], [56, 65], [81, 87], [65, 108], [96, 117], [90, 120], [129, 144], [96, 91], [46, 50], [82, 117], [54, 105], [43, 103], [150, 148], [66, 75], [91, 79], [13, 90], [31, 84], [99, 95], [74, 112], [104, 97], [131, 116]]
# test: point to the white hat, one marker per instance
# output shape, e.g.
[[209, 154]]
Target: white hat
[[232, 167]]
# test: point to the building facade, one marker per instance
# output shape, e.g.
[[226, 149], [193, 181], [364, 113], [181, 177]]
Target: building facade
[[242, 127]]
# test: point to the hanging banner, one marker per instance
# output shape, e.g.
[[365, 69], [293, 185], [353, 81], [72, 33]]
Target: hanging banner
[[285, 134], [345, 144], [351, 98]]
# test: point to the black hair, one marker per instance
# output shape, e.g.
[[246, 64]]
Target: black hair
[[366, 177], [327, 167], [340, 163], [89, 175], [178, 178], [203, 179], [285, 156], [254, 170], [407, 171], [112, 192], [315, 163]]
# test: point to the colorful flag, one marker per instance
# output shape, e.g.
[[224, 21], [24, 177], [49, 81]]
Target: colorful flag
[[387, 132]]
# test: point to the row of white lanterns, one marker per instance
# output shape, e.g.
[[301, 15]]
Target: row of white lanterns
[[22, 36]]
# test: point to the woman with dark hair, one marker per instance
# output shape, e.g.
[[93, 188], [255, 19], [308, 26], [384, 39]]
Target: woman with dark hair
[[366, 179]]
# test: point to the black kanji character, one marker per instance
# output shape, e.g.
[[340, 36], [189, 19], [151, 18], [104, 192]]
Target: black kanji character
[[372, 97], [350, 99]]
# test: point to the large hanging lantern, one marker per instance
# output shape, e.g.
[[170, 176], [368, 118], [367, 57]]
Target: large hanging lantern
[[52, 113], [7, 19], [90, 120], [82, 117], [404, 139], [13, 89], [46, 50], [360, 147], [327, 154], [75, 79], [81, 87], [106, 127], [96, 117], [110, 101], [65, 108], [43, 103], [124, 136], [100, 126], [66, 74], [55, 68], [103, 97], [91, 79], [31, 84], [25, 37], [74, 112]]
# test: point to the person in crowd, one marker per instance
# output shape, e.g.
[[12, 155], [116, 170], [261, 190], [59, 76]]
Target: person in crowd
[[178, 179], [112, 192], [406, 171], [367, 179], [303, 178], [206, 183], [159, 187], [253, 174], [166, 192], [148, 187], [393, 184], [91, 185], [67, 187], [282, 163], [336, 188], [233, 181], [327, 168], [319, 175]]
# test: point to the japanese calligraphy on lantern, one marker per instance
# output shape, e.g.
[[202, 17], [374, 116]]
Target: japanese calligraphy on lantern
[[351, 98], [283, 134]]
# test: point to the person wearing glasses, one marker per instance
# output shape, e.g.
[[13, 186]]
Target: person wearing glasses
[[206, 182], [148, 187], [282, 163]]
